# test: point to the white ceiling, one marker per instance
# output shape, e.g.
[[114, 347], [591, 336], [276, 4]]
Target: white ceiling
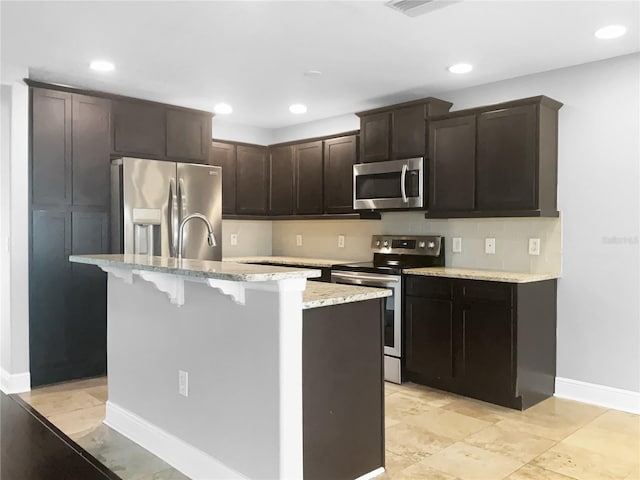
[[253, 54]]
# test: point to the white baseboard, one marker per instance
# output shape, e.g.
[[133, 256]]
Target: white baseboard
[[375, 473], [616, 398], [14, 383], [189, 460]]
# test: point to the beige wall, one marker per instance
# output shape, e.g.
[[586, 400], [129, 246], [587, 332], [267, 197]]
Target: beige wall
[[320, 239], [254, 238]]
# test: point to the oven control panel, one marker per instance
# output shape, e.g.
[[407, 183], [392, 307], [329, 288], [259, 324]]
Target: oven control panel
[[408, 244]]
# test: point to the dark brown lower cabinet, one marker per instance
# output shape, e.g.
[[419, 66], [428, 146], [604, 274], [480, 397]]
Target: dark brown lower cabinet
[[342, 390], [67, 317], [489, 340]]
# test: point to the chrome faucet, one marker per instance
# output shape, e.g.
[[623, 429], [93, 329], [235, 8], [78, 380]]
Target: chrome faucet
[[210, 236]]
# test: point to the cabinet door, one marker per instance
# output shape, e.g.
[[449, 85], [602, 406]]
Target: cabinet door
[[281, 181], [429, 337], [409, 132], [452, 164], [90, 159], [224, 155], [487, 349], [340, 154], [138, 128], [375, 132], [309, 171], [87, 322], [51, 147], [49, 282], [252, 180], [188, 135], [507, 159]]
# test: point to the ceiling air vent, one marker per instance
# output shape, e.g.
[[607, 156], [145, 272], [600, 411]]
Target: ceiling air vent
[[414, 8]]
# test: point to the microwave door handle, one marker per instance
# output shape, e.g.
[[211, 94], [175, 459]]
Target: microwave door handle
[[403, 179]]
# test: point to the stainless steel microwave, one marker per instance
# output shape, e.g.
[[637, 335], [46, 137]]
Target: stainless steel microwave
[[388, 185]]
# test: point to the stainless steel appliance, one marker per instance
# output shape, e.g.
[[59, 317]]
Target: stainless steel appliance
[[391, 255], [149, 201], [389, 185]]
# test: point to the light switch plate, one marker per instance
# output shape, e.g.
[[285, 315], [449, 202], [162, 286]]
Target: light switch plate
[[234, 239], [183, 383], [490, 246], [457, 245], [340, 241], [298, 240], [534, 246]]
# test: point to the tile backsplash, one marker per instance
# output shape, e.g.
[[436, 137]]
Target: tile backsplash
[[320, 239]]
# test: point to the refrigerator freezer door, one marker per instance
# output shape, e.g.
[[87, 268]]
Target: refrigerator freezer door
[[200, 191], [148, 198]]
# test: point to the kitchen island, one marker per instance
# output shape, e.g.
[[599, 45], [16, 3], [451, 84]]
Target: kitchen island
[[230, 370]]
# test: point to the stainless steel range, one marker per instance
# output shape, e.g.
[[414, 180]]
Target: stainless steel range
[[392, 254]]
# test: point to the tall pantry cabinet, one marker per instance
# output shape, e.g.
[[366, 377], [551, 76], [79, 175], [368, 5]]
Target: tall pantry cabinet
[[69, 214]]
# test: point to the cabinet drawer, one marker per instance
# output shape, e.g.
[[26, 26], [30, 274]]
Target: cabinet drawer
[[486, 291], [431, 287]]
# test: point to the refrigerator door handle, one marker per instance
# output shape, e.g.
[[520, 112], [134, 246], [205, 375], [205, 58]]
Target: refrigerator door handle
[[172, 217], [183, 199]]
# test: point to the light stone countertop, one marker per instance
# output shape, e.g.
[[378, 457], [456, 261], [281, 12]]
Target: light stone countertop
[[490, 275], [239, 272], [321, 294], [302, 261]]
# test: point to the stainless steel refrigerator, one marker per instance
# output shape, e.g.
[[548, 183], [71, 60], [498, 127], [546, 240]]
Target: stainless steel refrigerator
[[149, 199]]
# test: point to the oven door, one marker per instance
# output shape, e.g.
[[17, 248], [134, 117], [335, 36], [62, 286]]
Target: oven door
[[393, 304], [392, 184]]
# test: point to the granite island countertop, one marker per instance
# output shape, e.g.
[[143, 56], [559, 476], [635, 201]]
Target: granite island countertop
[[302, 261], [475, 274], [239, 272], [322, 294]]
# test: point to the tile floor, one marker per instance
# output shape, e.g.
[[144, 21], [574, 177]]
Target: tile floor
[[429, 435]]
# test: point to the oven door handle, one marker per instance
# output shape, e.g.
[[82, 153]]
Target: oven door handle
[[364, 278], [403, 181]]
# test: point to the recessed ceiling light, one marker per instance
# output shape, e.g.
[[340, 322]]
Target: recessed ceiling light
[[223, 109], [460, 68], [313, 73], [298, 108], [610, 31], [102, 66]]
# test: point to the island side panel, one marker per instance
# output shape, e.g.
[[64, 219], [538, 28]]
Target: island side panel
[[232, 355], [343, 390]]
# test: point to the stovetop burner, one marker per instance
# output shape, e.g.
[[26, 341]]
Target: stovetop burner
[[392, 254]]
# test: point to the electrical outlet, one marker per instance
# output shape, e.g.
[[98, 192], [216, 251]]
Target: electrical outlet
[[534, 246], [298, 240], [340, 241], [234, 239], [457, 245], [490, 246], [183, 383]]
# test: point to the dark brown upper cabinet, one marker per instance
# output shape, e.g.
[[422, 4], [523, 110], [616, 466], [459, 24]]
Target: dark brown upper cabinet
[[398, 131], [252, 180], [51, 147], [281, 180], [308, 175], [452, 163], [139, 128], [224, 155], [188, 135], [514, 168], [507, 158], [90, 151], [340, 154]]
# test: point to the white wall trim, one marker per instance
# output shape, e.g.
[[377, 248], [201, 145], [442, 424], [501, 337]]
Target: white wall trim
[[377, 472], [16, 383], [189, 460], [602, 395]]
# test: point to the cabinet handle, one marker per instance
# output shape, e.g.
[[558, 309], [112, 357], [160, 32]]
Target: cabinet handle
[[403, 179]]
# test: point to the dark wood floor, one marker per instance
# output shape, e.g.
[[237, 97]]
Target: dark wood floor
[[33, 449]]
